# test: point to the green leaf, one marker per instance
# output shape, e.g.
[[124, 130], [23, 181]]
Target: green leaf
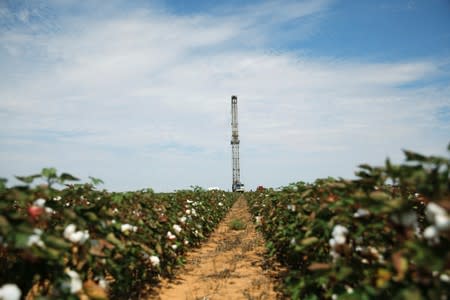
[[413, 156], [96, 181], [28, 179], [67, 177], [56, 242], [49, 173]]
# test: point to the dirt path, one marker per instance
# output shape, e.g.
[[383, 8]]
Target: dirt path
[[227, 266]]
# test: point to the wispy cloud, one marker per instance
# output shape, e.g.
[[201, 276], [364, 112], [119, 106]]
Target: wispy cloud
[[142, 99]]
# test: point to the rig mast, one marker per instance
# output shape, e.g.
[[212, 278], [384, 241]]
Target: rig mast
[[237, 186]]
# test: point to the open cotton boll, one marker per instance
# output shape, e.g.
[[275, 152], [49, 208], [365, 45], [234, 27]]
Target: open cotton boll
[[442, 222], [361, 212], [176, 228], [154, 260], [69, 230], [128, 227], [170, 235], [431, 234], [340, 240], [35, 239], [182, 219], [10, 291], [75, 282], [39, 202], [339, 230], [432, 210]]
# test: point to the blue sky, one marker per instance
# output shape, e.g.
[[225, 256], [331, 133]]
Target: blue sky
[[137, 93]]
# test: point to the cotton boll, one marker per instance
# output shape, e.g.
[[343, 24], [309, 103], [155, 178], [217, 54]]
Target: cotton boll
[[176, 228], [75, 281], [170, 235], [340, 240], [332, 243], [431, 234], [339, 230], [154, 260], [10, 291], [442, 222], [361, 212], [39, 202], [69, 230], [174, 247], [182, 219], [35, 239], [432, 210]]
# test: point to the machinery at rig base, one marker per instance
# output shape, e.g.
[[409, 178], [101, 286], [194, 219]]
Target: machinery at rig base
[[237, 186]]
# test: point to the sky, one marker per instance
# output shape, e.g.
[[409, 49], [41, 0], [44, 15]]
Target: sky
[[138, 93]]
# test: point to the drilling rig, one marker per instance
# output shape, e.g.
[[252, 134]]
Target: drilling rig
[[237, 186]]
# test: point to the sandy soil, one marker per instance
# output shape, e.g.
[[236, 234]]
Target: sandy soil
[[228, 266]]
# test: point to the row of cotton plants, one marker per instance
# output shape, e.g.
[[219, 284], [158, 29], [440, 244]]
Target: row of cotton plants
[[80, 242], [383, 235]]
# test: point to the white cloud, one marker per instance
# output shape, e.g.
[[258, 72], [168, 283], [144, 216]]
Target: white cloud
[[143, 99]]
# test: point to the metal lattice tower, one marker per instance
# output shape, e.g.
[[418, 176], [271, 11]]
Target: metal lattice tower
[[237, 185]]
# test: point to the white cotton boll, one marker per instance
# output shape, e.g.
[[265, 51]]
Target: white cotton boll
[[182, 219], [170, 235], [334, 297], [334, 255], [39, 202], [358, 249], [442, 222], [361, 212], [432, 210], [49, 210], [291, 207], [444, 278], [349, 289], [188, 211], [75, 281], [69, 230], [431, 234], [35, 239], [57, 198], [332, 243], [76, 237], [194, 212], [293, 241], [176, 228], [220, 204], [84, 237], [154, 260], [186, 242], [258, 220], [127, 227], [339, 230], [10, 291], [174, 247], [189, 201], [340, 239], [103, 284]]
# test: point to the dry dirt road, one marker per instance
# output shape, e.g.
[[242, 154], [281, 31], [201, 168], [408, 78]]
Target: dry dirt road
[[229, 265]]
